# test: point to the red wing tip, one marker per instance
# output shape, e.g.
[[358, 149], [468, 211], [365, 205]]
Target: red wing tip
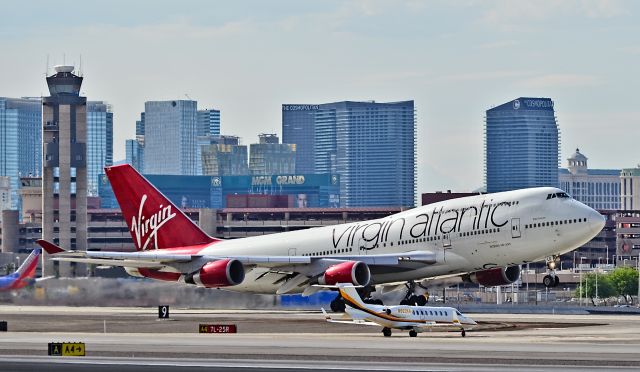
[[49, 247]]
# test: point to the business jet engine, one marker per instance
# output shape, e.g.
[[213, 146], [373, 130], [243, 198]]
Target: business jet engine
[[494, 277], [221, 273], [354, 272]]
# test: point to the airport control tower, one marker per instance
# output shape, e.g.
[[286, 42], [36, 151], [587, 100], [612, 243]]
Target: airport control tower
[[64, 168]]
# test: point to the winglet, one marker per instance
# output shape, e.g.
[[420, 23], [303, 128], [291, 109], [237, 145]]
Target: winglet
[[49, 247]]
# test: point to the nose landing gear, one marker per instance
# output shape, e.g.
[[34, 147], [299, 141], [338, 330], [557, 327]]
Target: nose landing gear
[[551, 279]]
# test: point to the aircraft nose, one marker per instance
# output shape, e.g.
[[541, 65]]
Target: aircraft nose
[[596, 221]]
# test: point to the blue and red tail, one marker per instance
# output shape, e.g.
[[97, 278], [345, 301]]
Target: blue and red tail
[[154, 222]]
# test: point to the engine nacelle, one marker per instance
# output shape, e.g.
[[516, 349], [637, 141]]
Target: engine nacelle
[[494, 277], [354, 272], [221, 273]]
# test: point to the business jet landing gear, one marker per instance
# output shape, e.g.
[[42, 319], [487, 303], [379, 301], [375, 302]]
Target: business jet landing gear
[[551, 279], [386, 332], [337, 305], [413, 333], [463, 333], [411, 298]]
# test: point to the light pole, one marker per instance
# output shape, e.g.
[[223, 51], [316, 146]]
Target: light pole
[[638, 269], [597, 268], [581, 288]]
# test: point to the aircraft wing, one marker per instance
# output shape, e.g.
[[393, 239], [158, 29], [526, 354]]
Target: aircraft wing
[[301, 268], [346, 319], [157, 258]]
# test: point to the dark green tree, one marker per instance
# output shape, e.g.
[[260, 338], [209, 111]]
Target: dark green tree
[[605, 287], [625, 282]]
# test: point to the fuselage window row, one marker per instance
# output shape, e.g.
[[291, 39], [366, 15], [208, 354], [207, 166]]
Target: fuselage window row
[[554, 223]]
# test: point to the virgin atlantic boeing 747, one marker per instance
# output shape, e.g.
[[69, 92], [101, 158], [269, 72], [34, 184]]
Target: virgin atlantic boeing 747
[[483, 239]]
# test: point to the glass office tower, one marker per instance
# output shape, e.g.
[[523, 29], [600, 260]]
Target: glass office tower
[[521, 145], [20, 140], [170, 137], [370, 145], [99, 142]]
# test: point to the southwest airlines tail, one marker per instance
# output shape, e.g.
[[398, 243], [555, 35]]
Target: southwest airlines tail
[[28, 268], [24, 275], [154, 222]]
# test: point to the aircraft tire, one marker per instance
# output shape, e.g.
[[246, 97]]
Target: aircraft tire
[[463, 333], [548, 281], [421, 300], [413, 333], [386, 332]]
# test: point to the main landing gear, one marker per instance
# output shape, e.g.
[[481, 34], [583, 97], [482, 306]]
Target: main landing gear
[[411, 298], [463, 333], [386, 332], [413, 333], [551, 279]]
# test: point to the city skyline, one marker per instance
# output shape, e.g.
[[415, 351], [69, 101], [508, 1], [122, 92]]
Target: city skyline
[[455, 60]]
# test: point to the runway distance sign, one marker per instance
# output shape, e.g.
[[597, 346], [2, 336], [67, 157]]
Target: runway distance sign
[[66, 349], [217, 328], [163, 312]]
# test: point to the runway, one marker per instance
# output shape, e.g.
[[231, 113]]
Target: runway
[[274, 340]]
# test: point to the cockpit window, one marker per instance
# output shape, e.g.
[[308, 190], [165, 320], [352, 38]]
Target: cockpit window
[[558, 195]]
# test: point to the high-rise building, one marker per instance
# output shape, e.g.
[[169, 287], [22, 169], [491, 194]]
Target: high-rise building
[[134, 148], [170, 137], [597, 188], [521, 145], [370, 145], [134, 154], [225, 156], [20, 141], [208, 122], [630, 185], [64, 165], [298, 127], [269, 156], [99, 142]]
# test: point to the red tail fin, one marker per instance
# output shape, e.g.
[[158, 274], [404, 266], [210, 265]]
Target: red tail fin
[[154, 222]]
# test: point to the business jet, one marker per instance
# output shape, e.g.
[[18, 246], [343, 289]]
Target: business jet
[[482, 239], [25, 274], [415, 319]]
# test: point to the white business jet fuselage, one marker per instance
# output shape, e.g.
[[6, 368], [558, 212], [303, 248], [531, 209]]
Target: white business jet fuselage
[[412, 318]]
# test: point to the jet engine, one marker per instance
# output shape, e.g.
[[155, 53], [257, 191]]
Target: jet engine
[[221, 273], [354, 272], [494, 277]]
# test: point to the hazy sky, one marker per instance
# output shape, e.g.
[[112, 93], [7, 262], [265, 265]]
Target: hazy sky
[[456, 59]]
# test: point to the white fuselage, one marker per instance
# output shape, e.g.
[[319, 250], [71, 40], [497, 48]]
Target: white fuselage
[[412, 317], [466, 234]]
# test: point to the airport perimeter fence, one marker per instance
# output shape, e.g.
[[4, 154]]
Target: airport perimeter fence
[[136, 292]]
